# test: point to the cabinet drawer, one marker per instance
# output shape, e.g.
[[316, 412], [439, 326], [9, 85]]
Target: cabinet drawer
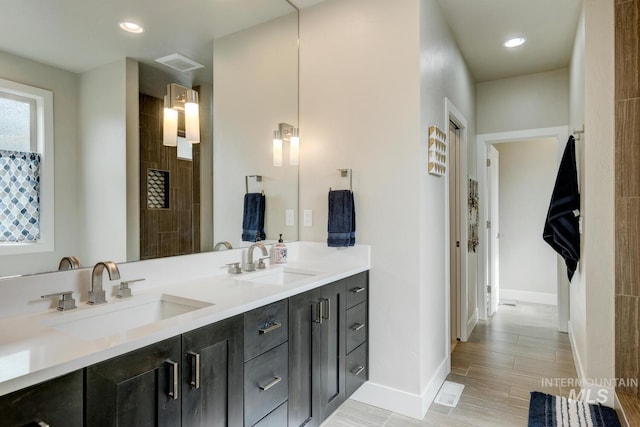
[[266, 383], [277, 418], [357, 288], [356, 326], [357, 370], [265, 328]]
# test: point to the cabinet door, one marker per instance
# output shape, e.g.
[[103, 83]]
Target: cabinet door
[[212, 375], [57, 402], [332, 349], [304, 360], [140, 388]]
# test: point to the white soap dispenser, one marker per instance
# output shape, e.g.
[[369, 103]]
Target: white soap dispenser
[[279, 255]]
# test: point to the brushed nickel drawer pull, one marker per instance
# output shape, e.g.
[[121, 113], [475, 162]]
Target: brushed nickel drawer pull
[[319, 309], [357, 326], [41, 423], [195, 369], [173, 379], [357, 370], [272, 383], [358, 290], [271, 328]]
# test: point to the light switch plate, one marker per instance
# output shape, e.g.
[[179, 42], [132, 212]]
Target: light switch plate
[[308, 217], [289, 218]]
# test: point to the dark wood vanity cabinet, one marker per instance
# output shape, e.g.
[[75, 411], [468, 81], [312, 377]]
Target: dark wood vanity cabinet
[[140, 388], [292, 362], [317, 354], [212, 375], [57, 402], [193, 380]]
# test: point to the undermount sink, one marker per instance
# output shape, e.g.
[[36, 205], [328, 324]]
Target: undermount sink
[[280, 276], [121, 316]]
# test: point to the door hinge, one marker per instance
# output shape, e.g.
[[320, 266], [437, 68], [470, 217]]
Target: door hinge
[[457, 244], [488, 225], [488, 289], [488, 162]]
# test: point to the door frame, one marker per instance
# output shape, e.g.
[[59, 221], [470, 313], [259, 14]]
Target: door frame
[[451, 113], [482, 140]]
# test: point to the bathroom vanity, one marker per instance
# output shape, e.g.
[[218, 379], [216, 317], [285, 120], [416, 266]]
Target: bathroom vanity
[[284, 346]]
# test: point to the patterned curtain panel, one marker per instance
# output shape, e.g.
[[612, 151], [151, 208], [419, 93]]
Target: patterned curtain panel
[[19, 196]]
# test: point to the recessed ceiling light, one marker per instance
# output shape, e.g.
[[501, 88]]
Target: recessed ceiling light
[[514, 42], [131, 27]]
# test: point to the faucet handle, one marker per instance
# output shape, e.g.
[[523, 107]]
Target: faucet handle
[[66, 301], [123, 290], [261, 264], [234, 268]]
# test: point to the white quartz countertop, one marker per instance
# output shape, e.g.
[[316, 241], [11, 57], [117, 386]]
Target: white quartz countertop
[[34, 348]]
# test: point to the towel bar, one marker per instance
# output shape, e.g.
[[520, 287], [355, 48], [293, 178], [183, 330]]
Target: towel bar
[[246, 181], [344, 173]]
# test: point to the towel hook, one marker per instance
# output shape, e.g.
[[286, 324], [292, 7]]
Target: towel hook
[[344, 173], [578, 133], [246, 181]]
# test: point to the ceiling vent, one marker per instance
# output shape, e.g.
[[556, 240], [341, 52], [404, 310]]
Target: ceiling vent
[[179, 62]]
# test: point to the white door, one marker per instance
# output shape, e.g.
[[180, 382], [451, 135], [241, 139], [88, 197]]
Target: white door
[[494, 228], [454, 237]]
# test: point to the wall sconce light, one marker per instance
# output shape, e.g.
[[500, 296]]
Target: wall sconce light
[[180, 98], [286, 133]]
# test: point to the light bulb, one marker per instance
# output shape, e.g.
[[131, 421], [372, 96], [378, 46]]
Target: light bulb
[[277, 149], [170, 126]]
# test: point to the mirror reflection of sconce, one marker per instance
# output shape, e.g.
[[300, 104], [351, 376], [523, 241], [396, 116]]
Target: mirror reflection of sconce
[[180, 98], [286, 133]]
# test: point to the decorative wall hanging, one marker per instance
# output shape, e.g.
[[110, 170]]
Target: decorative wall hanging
[[437, 151], [473, 215]]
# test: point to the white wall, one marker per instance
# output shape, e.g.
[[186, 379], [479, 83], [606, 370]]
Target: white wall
[[63, 84], [247, 109], [527, 264], [526, 102], [103, 163], [593, 287], [373, 76]]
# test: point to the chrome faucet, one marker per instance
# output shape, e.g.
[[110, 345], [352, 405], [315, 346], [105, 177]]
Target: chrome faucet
[[96, 293], [251, 266], [221, 244]]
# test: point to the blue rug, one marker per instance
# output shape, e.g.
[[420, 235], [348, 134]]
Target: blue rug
[[546, 410]]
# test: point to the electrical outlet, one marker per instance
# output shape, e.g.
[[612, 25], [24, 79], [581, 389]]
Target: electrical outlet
[[308, 217]]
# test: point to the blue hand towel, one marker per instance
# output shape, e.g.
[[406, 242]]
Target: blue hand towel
[[342, 219], [561, 228], [253, 217]]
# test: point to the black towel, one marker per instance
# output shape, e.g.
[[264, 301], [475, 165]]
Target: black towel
[[561, 227], [253, 217], [342, 219]]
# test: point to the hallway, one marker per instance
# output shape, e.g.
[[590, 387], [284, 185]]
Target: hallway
[[504, 359]]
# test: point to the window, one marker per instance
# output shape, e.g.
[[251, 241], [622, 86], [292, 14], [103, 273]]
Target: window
[[26, 169]]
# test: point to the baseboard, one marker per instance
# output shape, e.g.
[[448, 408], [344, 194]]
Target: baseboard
[[401, 402], [591, 390], [528, 296], [471, 323]]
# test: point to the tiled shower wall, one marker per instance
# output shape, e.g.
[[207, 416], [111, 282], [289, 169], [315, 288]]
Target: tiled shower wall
[[176, 229], [627, 190]]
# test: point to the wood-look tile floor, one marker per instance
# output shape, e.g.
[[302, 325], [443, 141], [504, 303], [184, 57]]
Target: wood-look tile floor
[[505, 359]]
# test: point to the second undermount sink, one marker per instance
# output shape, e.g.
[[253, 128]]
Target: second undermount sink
[[121, 316], [281, 276]]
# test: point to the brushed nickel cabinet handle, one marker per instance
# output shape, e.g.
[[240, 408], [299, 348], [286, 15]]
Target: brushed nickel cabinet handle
[[357, 326], [40, 423], [173, 379], [327, 316], [195, 369], [357, 370], [358, 290], [271, 328], [319, 309], [271, 383]]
